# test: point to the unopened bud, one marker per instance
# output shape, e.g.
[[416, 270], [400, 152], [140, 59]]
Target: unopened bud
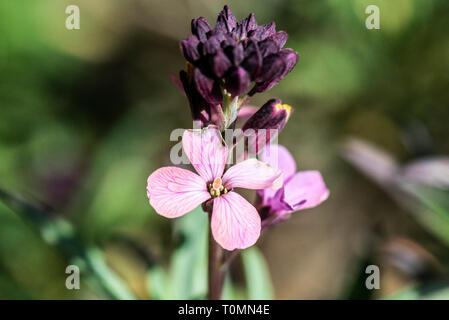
[[266, 123]]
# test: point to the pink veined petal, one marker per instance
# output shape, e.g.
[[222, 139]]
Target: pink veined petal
[[306, 189], [277, 156], [174, 192], [253, 174], [205, 152], [235, 222]]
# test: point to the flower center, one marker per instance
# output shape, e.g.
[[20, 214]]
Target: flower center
[[216, 188]]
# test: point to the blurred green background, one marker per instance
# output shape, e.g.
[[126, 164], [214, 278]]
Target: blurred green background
[[85, 117]]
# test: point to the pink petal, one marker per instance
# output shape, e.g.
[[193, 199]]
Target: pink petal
[[306, 189], [206, 152], [247, 111], [277, 156], [174, 192], [235, 222], [253, 174]]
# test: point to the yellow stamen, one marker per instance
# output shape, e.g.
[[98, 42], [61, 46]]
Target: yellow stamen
[[216, 188], [285, 107]]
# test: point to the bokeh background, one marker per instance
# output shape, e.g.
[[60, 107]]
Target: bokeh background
[[85, 117]]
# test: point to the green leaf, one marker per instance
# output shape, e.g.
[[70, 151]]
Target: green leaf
[[424, 291], [231, 291], [158, 283], [258, 280], [188, 269], [433, 211], [60, 233], [186, 277]]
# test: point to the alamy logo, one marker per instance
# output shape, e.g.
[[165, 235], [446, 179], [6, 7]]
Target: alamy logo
[[247, 144], [373, 280], [73, 20], [373, 20], [73, 280]]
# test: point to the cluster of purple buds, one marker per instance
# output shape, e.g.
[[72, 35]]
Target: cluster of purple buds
[[228, 63]]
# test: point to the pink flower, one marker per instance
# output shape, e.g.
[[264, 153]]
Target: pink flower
[[174, 192], [301, 190]]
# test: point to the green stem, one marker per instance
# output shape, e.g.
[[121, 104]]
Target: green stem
[[216, 273]]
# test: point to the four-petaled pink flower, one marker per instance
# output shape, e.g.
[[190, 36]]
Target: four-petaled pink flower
[[173, 191], [301, 190]]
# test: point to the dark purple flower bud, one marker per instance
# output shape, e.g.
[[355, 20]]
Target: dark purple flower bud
[[272, 115], [291, 59], [235, 53], [263, 32], [268, 47], [220, 64], [199, 108], [226, 20], [253, 59], [275, 68], [207, 87], [229, 40], [211, 46], [219, 34], [240, 31], [250, 23], [200, 28], [237, 82], [189, 48], [280, 38], [266, 123], [245, 26]]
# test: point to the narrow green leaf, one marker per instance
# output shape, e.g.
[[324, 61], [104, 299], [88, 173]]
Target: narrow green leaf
[[258, 280], [61, 234], [158, 284], [188, 269], [424, 291]]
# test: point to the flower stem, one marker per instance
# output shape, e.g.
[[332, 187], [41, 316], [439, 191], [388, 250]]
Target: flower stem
[[216, 273], [228, 259]]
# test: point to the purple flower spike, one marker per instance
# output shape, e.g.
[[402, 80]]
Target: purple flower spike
[[234, 54]]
